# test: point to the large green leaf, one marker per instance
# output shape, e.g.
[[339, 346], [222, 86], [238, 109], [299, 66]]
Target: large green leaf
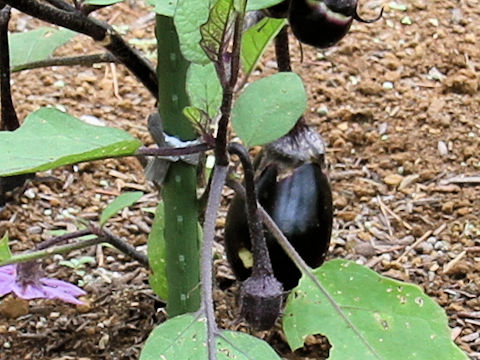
[[122, 201], [255, 41], [387, 319], [163, 7], [5, 252], [269, 108], [50, 138], [36, 45], [189, 16], [204, 88], [156, 254], [261, 4], [185, 337]]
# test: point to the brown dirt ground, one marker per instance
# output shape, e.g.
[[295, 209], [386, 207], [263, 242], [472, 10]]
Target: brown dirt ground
[[397, 103]]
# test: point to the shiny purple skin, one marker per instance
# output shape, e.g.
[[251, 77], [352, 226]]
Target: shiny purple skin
[[301, 204], [321, 23]]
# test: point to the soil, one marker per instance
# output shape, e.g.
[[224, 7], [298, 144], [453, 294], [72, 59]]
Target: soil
[[397, 104]]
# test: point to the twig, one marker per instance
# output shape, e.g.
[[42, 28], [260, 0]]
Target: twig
[[461, 180], [63, 238], [384, 213], [213, 203], [85, 60], [414, 245], [97, 30], [8, 119], [448, 267]]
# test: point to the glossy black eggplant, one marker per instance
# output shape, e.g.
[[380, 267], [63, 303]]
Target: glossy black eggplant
[[293, 188], [322, 23]]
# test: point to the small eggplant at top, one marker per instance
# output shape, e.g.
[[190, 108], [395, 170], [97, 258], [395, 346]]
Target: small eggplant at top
[[293, 188], [323, 23]]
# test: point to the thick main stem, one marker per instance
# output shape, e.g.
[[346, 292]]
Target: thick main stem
[[179, 190], [8, 120]]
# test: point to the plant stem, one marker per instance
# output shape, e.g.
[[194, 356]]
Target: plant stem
[[282, 52], [8, 120], [85, 60], [261, 258], [179, 190], [98, 31], [227, 100], [34, 255], [213, 203], [47, 247], [168, 151]]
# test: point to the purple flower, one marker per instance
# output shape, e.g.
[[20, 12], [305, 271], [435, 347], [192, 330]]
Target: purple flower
[[25, 281]]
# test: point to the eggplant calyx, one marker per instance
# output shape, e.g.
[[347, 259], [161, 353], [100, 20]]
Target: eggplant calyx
[[367, 21], [301, 145]]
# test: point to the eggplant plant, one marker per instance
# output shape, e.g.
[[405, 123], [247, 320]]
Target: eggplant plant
[[283, 214]]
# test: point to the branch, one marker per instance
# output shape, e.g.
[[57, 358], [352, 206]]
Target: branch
[[168, 151], [8, 119], [282, 52], [62, 5], [97, 30], [226, 107], [47, 247], [34, 255], [261, 258], [85, 60], [219, 176]]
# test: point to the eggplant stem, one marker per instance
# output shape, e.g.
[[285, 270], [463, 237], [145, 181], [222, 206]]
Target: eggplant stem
[[261, 258], [367, 21]]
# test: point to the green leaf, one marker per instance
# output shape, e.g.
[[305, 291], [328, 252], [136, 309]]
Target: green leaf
[[204, 88], [156, 254], [189, 16], [197, 117], [5, 252], [269, 108], [261, 4], [256, 40], [185, 337], [50, 138], [389, 319], [122, 201], [101, 2], [36, 45], [163, 7], [215, 30]]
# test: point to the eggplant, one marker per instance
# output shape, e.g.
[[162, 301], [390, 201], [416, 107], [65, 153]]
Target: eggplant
[[293, 188], [323, 23]]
